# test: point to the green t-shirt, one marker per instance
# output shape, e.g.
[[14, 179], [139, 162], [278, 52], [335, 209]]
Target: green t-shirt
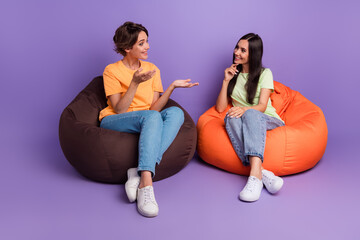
[[239, 95]]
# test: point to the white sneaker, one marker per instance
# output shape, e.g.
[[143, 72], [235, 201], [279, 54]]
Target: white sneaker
[[132, 184], [272, 183], [146, 203], [252, 190]]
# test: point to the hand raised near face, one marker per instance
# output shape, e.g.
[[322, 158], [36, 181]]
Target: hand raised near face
[[139, 77], [230, 72]]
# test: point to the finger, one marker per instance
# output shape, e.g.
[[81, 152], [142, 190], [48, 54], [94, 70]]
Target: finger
[[189, 85], [239, 115], [233, 109], [230, 113], [235, 68], [149, 74], [184, 80], [234, 71], [145, 78], [152, 73]]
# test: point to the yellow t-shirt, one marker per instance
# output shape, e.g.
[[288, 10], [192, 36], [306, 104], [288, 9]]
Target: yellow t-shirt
[[117, 78]]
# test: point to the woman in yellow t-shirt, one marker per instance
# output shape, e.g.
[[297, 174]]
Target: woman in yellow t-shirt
[[133, 89], [247, 85]]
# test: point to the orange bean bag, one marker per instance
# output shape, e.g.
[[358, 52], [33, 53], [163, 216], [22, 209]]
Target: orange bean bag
[[293, 148]]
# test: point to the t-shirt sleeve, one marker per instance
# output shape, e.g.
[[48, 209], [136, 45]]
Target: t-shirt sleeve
[[111, 83], [157, 85], [266, 79]]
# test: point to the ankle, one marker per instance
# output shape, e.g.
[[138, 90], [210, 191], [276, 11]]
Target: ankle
[[145, 179], [256, 167], [142, 185], [257, 175]]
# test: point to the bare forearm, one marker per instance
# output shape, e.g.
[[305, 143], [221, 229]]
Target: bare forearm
[[123, 105], [222, 100], [161, 102]]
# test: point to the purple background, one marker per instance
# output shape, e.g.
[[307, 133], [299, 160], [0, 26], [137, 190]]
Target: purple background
[[50, 50]]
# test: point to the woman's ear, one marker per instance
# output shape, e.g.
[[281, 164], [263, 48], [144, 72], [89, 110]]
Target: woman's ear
[[127, 50]]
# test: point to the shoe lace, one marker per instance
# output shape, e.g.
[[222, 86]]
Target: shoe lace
[[250, 185], [149, 195], [267, 179]]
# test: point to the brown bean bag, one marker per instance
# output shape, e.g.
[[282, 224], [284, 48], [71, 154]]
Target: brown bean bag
[[293, 148], [105, 155]]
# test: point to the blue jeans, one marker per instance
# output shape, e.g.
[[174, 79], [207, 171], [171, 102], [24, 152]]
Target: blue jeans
[[248, 133], [157, 131]]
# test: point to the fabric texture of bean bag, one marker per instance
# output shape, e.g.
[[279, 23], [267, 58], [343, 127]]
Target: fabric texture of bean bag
[[105, 155], [293, 148]]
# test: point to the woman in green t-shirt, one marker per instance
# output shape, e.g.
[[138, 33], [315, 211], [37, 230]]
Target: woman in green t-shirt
[[248, 85]]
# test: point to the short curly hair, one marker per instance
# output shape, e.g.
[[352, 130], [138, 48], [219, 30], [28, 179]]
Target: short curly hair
[[126, 36]]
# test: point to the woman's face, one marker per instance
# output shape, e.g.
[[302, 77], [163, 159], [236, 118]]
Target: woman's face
[[241, 52], [140, 48]]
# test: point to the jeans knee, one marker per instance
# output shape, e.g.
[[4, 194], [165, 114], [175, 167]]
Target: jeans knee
[[251, 114], [153, 117], [175, 113], [231, 121]]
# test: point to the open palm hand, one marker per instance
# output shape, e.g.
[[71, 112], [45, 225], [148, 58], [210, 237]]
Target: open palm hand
[[184, 83]]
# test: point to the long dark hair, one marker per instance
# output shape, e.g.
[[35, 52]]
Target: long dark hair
[[255, 66]]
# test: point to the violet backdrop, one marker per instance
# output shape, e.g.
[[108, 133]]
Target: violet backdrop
[[50, 50]]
